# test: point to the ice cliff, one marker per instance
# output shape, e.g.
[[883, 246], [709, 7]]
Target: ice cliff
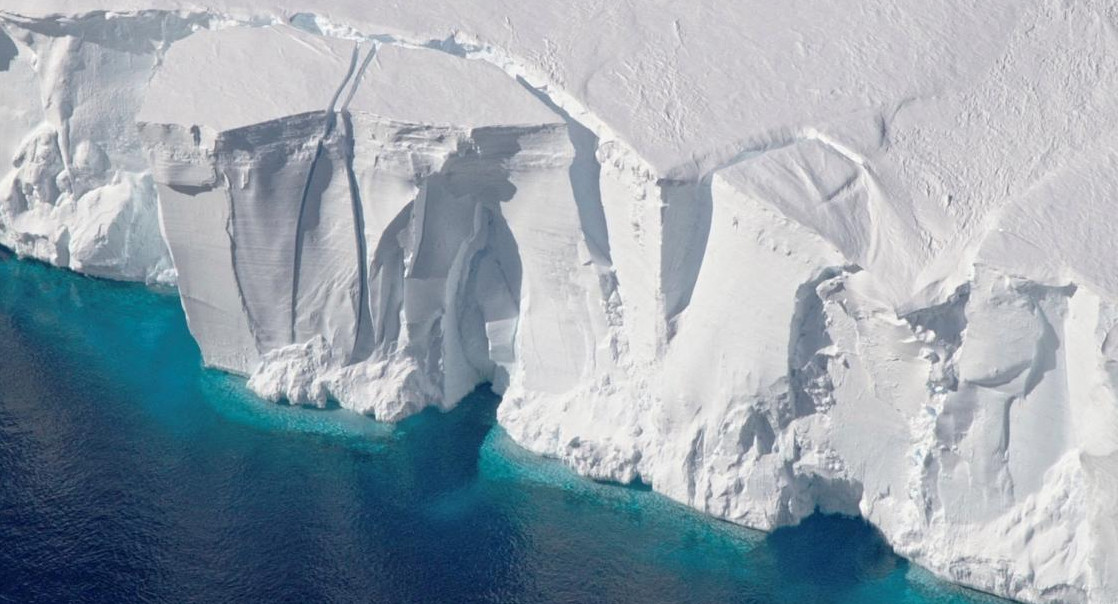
[[766, 259]]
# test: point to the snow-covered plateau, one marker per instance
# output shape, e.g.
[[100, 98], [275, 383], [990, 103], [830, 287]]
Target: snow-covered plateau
[[765, 257]]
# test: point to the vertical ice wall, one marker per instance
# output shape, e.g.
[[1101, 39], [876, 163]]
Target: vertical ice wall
[[729, 338], [905, 313], [362, 238]]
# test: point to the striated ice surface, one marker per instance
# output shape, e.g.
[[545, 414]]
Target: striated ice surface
[[766, 259]]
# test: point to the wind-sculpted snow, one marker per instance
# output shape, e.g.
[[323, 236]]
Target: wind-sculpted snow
[[766, 261]]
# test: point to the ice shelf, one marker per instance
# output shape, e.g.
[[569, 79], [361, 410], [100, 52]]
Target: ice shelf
[[766, 258]]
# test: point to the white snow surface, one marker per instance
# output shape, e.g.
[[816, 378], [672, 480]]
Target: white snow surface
[[766, 257]]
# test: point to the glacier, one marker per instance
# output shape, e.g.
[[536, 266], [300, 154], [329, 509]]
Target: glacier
[[767, 259]]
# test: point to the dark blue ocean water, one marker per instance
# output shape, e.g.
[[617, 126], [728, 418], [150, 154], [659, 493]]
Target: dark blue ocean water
[[130, 474]]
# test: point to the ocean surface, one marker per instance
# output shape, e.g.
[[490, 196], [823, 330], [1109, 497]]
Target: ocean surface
[[128, 473]]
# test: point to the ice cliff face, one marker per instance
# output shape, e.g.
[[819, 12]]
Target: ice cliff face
[[861, 271], [391, 251]]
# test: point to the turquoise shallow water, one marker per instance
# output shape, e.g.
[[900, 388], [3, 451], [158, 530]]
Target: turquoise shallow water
[[130, 474]]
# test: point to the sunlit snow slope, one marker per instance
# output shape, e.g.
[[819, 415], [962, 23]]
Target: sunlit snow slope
[[765, 258]]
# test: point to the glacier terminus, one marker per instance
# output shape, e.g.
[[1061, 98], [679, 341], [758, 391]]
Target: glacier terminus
[[767, 258]]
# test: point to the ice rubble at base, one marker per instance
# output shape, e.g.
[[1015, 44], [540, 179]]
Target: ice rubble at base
[[907, 311]]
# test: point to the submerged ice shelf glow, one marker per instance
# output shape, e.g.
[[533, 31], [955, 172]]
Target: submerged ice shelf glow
[[143, 477]]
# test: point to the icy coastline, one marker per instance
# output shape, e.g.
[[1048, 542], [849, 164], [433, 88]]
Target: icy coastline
[[894, 299]]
